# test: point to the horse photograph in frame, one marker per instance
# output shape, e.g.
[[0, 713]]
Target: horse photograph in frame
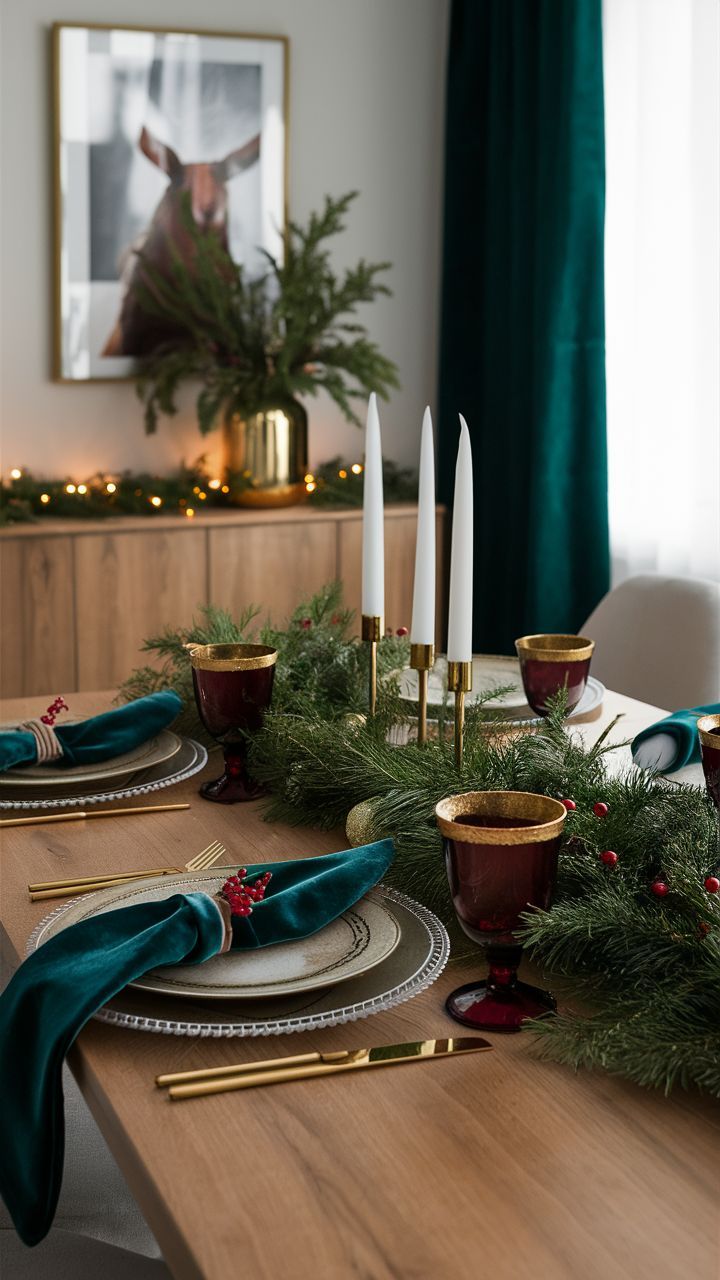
[[153, 127]]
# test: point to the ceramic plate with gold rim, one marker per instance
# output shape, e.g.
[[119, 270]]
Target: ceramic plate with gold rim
[[360, 938], [409, 970], [163, 746], [492, 672]]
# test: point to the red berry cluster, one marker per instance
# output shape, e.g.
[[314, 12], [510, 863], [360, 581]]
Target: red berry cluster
[[241, 895], [54, 710]]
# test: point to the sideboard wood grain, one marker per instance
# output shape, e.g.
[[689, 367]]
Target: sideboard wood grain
[[78, 598], [276, 569], [129, 587], [37, 615]]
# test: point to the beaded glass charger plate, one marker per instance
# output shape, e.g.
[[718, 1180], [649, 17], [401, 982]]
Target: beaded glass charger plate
[[351, 945], [412, 966], [163, 746], [189, 759], [493, 672]]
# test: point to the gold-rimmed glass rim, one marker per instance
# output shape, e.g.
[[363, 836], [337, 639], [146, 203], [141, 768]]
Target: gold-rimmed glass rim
[[231, 657], [547, 814], [706, 725], [555, 648]]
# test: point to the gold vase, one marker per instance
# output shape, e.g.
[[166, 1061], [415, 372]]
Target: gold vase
[[265, 455]]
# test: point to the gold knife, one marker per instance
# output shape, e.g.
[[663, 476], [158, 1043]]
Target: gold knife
[[252, 1074]]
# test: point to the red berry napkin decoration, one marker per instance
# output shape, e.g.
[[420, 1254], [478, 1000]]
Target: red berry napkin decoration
[[54, 710], [241, 895]]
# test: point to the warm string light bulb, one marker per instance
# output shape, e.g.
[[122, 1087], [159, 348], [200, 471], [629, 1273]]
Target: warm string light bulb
[[309, 479], [356, 468], [82, 488], [70, 488], [190, 512], [342, 474], [156, 502], [213, 484], [16, 473], [44, 498], [110, 487], [311, 486]]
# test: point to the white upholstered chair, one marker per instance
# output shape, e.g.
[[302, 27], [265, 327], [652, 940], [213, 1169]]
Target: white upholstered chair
[[658, 640]]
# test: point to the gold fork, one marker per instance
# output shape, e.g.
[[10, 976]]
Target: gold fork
[[89, 884]]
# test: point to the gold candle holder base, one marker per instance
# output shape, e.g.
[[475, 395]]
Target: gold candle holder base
[[372, 630], [422, 660], [459, 683]]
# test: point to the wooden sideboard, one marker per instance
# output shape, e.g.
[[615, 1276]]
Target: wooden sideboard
[[77, 598]]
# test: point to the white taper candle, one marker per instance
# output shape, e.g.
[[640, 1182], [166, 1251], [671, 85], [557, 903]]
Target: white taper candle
[[373, 543], [422, 630], [461, 555]]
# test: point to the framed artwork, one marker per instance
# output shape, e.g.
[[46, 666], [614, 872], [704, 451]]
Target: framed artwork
[[150, 122]]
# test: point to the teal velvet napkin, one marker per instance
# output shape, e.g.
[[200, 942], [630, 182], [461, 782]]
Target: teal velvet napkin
[[682, 728], [100, 737], [62, 984]]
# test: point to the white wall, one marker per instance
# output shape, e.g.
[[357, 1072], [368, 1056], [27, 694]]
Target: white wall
[[366, 108]]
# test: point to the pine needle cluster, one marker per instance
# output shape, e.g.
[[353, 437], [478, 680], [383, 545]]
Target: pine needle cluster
[[647, 968], [258, 342]]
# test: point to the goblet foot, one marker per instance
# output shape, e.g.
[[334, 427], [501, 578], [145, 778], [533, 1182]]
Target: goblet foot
[[231, 789], [233, 786], [488, 1007]]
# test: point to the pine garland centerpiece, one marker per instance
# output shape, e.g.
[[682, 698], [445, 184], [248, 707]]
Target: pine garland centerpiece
[[637, 933]]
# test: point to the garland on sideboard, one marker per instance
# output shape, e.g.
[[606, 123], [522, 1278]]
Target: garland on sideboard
[[637, 935], [191, 490]]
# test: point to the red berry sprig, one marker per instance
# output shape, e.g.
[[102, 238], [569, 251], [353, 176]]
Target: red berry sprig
[[712, 884], [241, 895], [401, 631], [600, 809], [54, 710], [660, 888], [570, 805], [609, 858]]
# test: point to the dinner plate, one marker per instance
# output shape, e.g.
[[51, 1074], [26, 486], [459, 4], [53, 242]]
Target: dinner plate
[[162, 746], [188, 760], [409, 969], [491, 672], [359, 939]]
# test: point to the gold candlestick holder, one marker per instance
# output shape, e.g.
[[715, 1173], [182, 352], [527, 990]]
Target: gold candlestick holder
[[422, 660], [372, 629], [459, 683]]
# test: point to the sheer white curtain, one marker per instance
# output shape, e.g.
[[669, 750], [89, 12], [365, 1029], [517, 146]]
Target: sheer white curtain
[[662, 246]]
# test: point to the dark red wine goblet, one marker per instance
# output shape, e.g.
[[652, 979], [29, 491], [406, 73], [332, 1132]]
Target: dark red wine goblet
[[550, 663], [709, 735], [501, 855], [233, 687]]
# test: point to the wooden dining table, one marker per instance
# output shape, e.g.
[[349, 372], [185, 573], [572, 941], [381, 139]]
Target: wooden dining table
[[497, 1165]]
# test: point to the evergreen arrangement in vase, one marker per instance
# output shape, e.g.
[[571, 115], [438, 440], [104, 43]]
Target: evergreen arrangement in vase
[[263, 341]]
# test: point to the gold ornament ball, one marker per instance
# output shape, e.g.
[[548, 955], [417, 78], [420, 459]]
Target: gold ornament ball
[[358, 824], [355, 720]]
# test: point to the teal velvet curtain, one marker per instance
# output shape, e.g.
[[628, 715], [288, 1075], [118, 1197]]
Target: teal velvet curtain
[[522, 341]]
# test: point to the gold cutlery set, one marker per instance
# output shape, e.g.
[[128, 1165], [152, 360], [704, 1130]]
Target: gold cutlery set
[[90, 884], [306, 1066]]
